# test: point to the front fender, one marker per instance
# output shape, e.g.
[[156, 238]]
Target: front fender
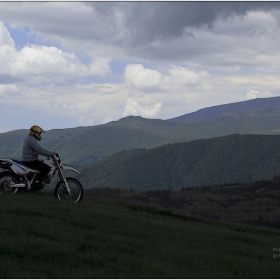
[[64, 167]]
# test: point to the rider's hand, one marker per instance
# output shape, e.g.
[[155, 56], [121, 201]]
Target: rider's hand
[[55, 155]]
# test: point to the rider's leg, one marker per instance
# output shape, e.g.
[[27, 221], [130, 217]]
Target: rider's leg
[[39, 165], [44, 170]]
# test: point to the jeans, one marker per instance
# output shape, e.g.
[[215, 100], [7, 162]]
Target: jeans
[[38, 165]]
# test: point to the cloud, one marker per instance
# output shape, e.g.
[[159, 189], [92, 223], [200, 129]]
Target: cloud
[[35, 63], [83, 111], [85, 106], [5, 38], [146, 21], [9, 91], [183, 76], [138, 29], [252, 94], [132, 107], [102, 60], [64, 106], [86, 120], [217, 34], [137, 76], [107, 120]]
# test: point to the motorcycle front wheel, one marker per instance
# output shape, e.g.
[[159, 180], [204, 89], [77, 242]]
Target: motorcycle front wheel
[[7, 180], [76, 190]]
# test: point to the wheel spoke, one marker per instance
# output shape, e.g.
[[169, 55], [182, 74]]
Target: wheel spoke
[[75, 194], [6, 183]]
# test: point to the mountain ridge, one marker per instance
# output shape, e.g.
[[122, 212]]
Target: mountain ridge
[[208, 112], [85, 145]]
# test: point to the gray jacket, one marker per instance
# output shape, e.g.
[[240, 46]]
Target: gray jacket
[[31, 149]]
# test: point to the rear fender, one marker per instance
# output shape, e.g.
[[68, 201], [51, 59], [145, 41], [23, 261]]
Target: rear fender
[[19, 169], [16, 167]]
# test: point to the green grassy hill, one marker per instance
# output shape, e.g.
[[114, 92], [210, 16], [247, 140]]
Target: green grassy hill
[[204, 162], [43, 238], [83, 145], [254, 203]]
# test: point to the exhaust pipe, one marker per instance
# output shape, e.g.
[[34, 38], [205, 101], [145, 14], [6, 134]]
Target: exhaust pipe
[[18, 186]]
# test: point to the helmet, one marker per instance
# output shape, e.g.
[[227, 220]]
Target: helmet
[[36, 131]]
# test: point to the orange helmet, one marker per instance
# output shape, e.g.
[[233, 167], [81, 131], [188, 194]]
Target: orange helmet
[[36, 131]]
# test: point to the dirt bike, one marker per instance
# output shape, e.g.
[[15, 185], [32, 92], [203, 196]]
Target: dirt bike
[[19, 177]]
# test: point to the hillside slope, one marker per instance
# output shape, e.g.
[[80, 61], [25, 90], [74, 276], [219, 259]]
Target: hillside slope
[[228, 159], [42, 238], [254, 203]]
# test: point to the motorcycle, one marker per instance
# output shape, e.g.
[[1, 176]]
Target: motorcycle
[[17, 177]]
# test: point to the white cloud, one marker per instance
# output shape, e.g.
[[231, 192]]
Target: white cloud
[[132, 107], [35, 63], [181, 76], [86, 121], [41, 63], [252, 94], [108, 119], [137, 76], [64, 106], [5, 38], [9, 91], [85, 106]]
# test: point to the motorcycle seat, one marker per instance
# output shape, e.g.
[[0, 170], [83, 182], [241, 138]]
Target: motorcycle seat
[[18, 161], [23, 164]]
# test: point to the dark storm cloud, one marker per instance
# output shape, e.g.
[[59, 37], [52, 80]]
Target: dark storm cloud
[[138, 30], [147, 21]]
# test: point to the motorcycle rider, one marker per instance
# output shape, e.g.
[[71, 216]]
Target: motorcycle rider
[[31, 150]]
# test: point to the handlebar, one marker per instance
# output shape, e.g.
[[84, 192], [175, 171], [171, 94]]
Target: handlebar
[[56, 157]]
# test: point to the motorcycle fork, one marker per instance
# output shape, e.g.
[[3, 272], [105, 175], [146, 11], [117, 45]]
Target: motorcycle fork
[[62, 178]]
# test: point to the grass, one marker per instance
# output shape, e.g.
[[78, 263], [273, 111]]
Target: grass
[[98, 238], [255, 203]]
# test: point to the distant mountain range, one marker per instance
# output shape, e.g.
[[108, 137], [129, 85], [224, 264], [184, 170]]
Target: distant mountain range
[[85, 145], [237, 108]]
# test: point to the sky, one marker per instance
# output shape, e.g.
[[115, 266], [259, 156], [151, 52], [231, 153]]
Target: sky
[[70, 64]]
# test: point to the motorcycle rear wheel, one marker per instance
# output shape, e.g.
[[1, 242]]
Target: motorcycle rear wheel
[[7, 179], [76, 190]]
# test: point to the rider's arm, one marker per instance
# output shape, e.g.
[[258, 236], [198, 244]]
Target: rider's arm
[[40, 150]]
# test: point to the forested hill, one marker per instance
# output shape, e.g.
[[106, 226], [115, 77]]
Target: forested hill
[[221, 160]]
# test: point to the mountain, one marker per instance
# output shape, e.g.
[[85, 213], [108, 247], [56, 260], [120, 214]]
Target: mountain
[[88, 144], [84, 145], [237, 107], [204, 162]]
